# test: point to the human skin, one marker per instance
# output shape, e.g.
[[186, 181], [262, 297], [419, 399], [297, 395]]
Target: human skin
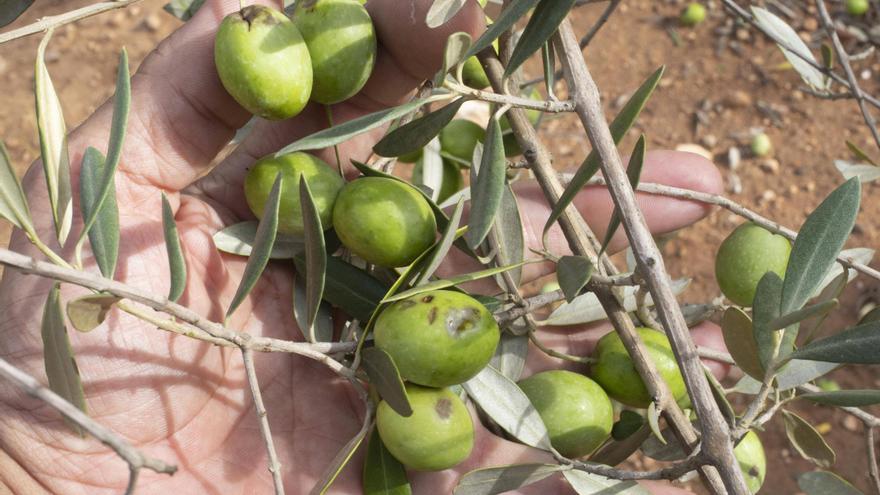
[[187, 402]]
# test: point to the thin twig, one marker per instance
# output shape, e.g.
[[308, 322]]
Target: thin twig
[[516, 101], [843, 57], [316, 351], [135, 459], [559, 355], [247, 357], [734, 207], [54, 21], [715, 432], [672, 472], [870, 445]]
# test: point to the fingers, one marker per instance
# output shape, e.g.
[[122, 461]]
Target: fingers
[[663, 214]]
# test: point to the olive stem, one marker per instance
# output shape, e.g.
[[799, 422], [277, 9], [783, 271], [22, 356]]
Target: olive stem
[[559, 355], [54, 21], [515, 101], [247, 357]]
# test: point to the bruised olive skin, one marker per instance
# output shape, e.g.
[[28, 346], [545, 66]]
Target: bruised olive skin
[[438, 338], [263, 62]]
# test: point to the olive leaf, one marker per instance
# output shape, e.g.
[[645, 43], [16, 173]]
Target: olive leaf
[[818, 243], [508, 406], [783, 34], [653, 416], [633, 173], [323, 325], [585, 483], [383, 474], [507, 235], [512, 12], [768, 296], [487, 185], [457, 45], [543, 22], [736, 327], [617, 451], [418, 133], [800, 371], [385, 376], [573, 273], [315, 256], [441, 248], [88, 312], [864, 173], [856, 345], [628, 423], [669, 451], [13, 205], [339, 462], [104, 234], [619, 127], [806, 440], [845, 398], [60, 363], [442, 11], [825, 483], [457, 280], [264, 239], [859, 153], [349, 288], [183, 9], [53, 145], [510, 355], [10, 10], [340, 133], [802, 314], [176, 261], [239, 239], [501, 479]]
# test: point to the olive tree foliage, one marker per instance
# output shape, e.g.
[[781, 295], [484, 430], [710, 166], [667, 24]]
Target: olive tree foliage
[[775, 343]]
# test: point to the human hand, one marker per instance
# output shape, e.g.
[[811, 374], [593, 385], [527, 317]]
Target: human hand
[[186, 401]]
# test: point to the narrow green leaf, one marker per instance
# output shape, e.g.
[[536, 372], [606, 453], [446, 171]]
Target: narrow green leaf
[[383, 474], [323, 326], [349, 288], [315, 254], [183, 9], [543, 23], [802, 314], [629, 423], [861, 155], [239, 239], [736, 327], [586, 307], [339, 133], [339, 462], [263, 242], [633, 173], [418, 133], [501, 479], [88, 312], [719, 394], [798, 372], [825, 483], [487, 186], [654, 422], [508, 406], [385, 377], [121, 107], [585, 483], [176, 261], [104, 233], [10, 10], [765, 310], [616, 451], [457, 45], [510, 355], [781, 32], [442, 11], [818, 242], [441, 248], [13, 206], [512, 12], [667, 452], [856, 345], [58, 356], [573, 273], [53, 145], [451, 282], [619, 127], [548, 59], [507, 233], [845, 398], [806, 440]]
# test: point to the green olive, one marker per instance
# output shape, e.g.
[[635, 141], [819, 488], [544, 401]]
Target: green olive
[[437, 338], [342, 44], [460, 137], [324, 184], [745, 256], [438, 435], [575, 409], [857, 7], [263, 62], [473, 74], [616, 373], [693, 14], [384, 221], [752, 461]]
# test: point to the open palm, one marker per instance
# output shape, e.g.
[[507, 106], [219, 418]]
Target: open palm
[[185, 401]]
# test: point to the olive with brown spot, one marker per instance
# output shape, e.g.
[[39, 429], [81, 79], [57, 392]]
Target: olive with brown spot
[[438, 338], [437, 435]]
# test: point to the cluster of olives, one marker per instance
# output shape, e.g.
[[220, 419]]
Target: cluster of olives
[[273, 65]]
